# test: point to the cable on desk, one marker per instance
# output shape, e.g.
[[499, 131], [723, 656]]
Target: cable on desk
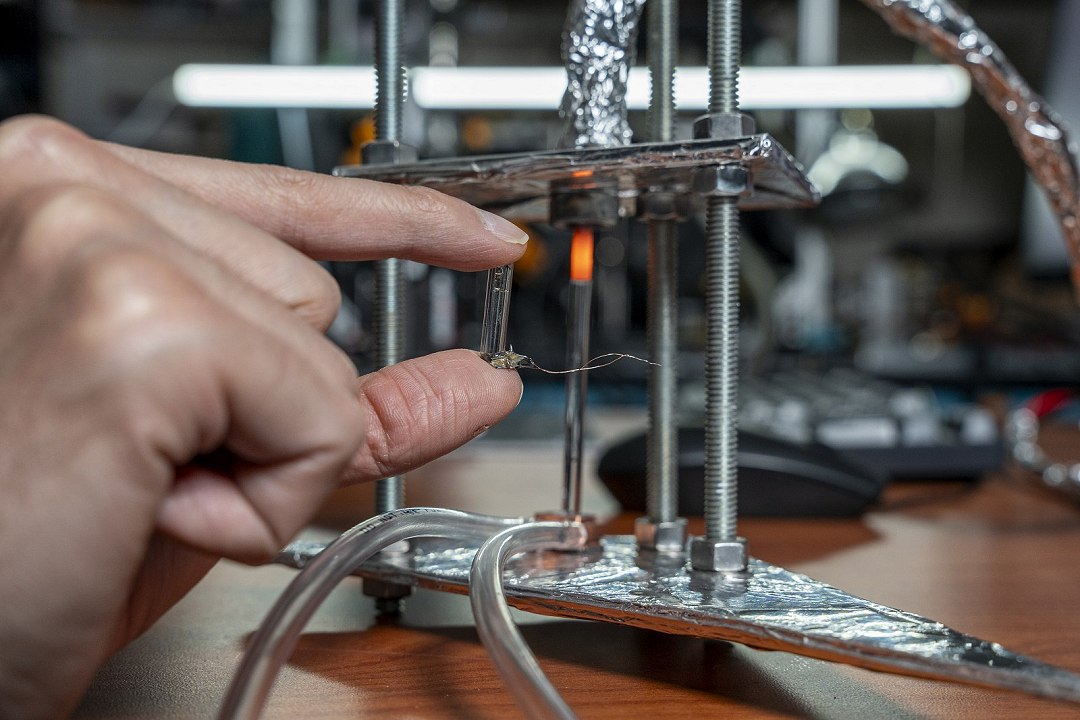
[[276, 637], [535, 694]]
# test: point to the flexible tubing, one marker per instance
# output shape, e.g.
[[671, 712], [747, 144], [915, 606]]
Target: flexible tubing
[[535, 694], [276, 637]]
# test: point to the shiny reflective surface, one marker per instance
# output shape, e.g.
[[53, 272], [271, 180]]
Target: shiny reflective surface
[[771, 608], [598, 49], [1037, 131], [519, 184]]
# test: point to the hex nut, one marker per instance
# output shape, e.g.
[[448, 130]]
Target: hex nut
[[388, 152], [667, 537], [725, 556], [722, 180], [723, 126]]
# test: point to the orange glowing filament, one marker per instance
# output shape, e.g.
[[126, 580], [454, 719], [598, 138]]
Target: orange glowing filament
[[581, 254]]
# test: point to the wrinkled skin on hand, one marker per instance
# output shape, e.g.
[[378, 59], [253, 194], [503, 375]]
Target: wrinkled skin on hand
[[169, 395]]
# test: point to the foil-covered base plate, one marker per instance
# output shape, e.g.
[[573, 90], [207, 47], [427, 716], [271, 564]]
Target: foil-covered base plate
[[770, 608], [518, 185]]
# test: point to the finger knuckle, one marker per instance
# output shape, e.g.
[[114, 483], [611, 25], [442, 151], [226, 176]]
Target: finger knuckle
[[38, 138], [425, 204], [48, 222], [291, 191], [436, 219], [131, 307]]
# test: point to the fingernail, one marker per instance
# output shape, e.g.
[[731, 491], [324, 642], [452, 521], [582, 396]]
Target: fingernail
[[502, 228]]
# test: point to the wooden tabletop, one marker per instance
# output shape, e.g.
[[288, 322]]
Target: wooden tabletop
[[997, 559]]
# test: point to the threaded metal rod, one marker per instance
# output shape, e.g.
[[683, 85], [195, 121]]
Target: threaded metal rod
[[661, 449], [389, 281], [722, 294], [724, 55], [389, 69], [662, 52], [721, 368], [389, 349]]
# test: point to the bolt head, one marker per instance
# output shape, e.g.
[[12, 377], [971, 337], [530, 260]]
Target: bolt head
[[722, 180], [663, 537], [723, 126], [388, 152], [710, 556]]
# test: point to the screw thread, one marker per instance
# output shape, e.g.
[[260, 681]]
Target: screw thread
[[662, 51], [661, 450], [389, 69], [721, 368], [389, 349], [724, 55]]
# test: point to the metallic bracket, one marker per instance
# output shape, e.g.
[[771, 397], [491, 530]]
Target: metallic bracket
[[520, 185]]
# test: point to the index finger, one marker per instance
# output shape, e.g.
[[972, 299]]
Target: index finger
[[332, 218]]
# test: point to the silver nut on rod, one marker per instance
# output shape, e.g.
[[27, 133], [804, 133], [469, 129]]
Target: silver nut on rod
[[667, 537], [722, 181], [388, 152], [724, 126], [717, 555]]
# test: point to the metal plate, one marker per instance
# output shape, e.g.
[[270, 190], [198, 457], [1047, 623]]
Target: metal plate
[[519, 184], [772, 609]]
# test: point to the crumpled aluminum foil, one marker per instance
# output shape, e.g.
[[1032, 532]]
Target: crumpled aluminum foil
[[598, 49], [772, 608], [1039, 133]]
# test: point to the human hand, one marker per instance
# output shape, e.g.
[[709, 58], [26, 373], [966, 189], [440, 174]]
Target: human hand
[[169, 395]]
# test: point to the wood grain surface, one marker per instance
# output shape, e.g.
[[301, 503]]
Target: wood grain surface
[[997, 559]]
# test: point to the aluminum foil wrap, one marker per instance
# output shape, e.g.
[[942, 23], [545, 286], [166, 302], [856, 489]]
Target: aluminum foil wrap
[[598, 49], [772, 608], [518, 185], [1038, 132]]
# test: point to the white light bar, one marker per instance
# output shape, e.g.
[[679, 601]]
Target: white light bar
[[275, 86], [541, 88]]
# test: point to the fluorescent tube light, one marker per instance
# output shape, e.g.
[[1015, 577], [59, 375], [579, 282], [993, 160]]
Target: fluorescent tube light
[[541, 88], [275, 86]]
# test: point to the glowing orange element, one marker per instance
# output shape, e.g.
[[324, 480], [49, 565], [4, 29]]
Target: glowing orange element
[[581, 254], [581, 174]]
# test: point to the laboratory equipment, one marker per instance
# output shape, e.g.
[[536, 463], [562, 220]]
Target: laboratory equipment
[[709, 587]]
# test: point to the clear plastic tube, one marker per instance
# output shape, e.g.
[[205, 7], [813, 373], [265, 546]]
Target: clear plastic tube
[[277, 636], [535, 694]]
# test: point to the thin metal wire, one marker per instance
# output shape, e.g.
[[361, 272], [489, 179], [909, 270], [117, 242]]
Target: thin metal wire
[[510, 360]]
